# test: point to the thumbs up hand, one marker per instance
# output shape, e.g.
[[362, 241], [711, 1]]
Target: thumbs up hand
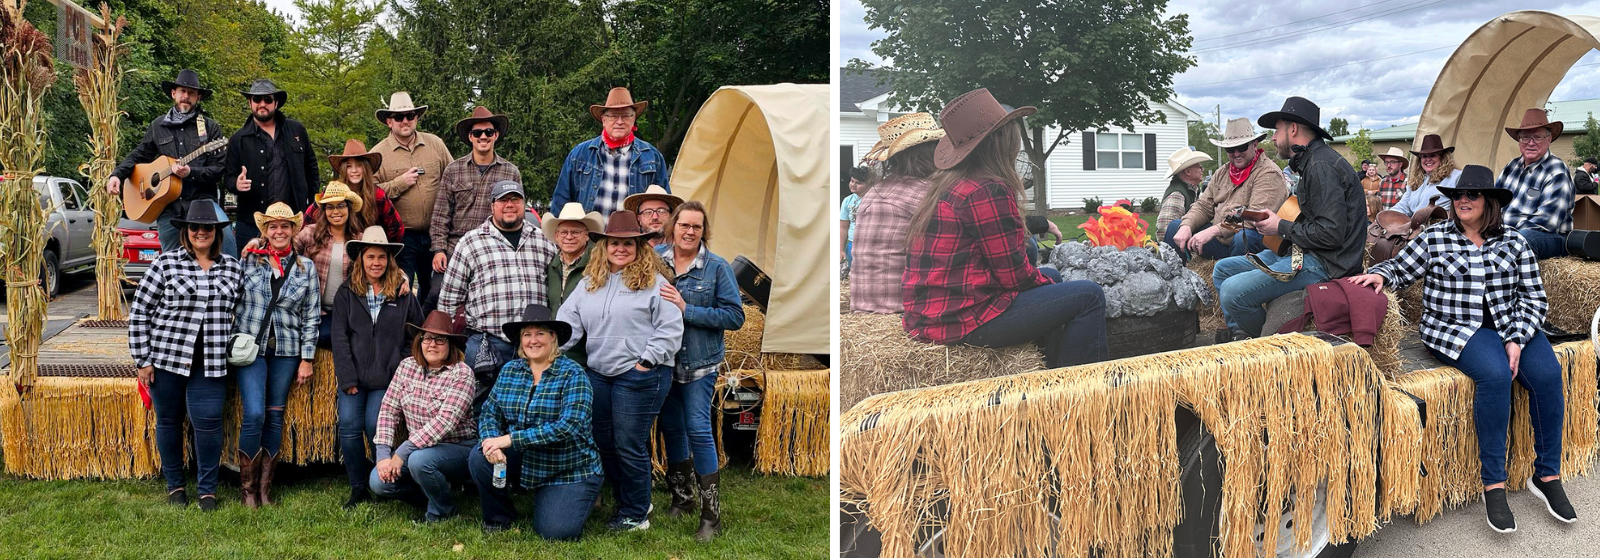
[[242, 184]]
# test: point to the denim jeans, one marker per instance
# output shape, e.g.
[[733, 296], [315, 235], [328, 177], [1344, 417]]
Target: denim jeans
[[358, 424], [686, 424], [559, 510], [1545, 244], [325, 331], [169, 234], [173, 396], [416, 259], [263, 391], [1244, 241], [503, 352], [1484, 359], [1245, 291], [1067, 319], [429, 472], [625, 409], [244, 231]]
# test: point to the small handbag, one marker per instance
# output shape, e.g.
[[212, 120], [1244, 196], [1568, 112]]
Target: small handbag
[[243, 348]]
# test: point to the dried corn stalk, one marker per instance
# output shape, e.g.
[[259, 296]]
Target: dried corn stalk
[[97, 91], [25, 75]]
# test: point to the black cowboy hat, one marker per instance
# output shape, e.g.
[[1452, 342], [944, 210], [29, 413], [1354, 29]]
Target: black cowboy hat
[[202, 211], [265, 86], [186, 78], [1296, 109], [1481, 179], [536, 315]]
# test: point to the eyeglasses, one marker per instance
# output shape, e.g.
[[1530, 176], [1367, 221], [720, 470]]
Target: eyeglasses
[[616, 116], [404, 117], [578, 233], [1532, 139], [690, 227], [203, 227], [483, 132], [433, 339], [1469, 195], [655, 212], [1237, 149], [263, 99], [336, 206]]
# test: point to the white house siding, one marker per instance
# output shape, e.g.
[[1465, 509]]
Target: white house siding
[[859, 131], [1069, 184]]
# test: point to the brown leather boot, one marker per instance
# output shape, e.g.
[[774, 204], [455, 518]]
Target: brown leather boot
[[710, 508], [680, 482], [249, 467], [269, 467]]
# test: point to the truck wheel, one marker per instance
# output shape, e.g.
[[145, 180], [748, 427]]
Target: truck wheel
[[50, 274]]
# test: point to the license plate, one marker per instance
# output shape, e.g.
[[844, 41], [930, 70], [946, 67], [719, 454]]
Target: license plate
[[147, 255], [746, 421]]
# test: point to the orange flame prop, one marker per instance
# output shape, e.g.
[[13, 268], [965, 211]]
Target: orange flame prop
[[1117, 227]]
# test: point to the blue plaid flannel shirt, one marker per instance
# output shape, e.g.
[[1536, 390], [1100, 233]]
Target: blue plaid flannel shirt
[[1541, 194], [548, 422]]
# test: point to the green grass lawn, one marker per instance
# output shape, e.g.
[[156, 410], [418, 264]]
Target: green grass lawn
[[1069, 226], [767, 517]]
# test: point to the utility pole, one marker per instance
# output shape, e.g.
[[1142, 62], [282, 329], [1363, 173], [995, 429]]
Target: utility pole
[[1218, 114]]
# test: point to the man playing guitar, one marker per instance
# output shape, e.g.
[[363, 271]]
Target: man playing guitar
[[184, 128]]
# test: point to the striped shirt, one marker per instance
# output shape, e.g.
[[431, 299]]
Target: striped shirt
[[435, 405], [549, 422], [1542, 195], [500, 279], [178, 303]]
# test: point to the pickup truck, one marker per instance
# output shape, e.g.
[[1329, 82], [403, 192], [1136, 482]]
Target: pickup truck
[[70, 225]]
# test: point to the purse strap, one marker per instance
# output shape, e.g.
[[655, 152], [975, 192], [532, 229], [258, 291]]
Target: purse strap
[[277, 286]]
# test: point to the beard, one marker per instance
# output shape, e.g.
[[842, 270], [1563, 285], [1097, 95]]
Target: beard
[[508, 226], [259, 118]]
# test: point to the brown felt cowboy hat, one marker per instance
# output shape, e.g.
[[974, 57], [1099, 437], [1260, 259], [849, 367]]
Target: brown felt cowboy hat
[[903, 132], [439, 323], [1432, 144], [354, 149], [186, 78], [969, 119], [623, 224], [619, 98], [400, 102], [1536, 118], [481, 114], [652, 192]]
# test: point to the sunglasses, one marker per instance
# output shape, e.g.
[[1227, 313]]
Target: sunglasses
[[203, 227], [263, 99], [1237, 149], [483, 132], [404, 117], [1469, 195]]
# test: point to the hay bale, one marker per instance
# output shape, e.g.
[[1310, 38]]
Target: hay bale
[[310, 419], [793, 437], [878, 357], [844, 297], [77, 427], [1385, 350], [1573, 286], [743, 348], [1210, 315]]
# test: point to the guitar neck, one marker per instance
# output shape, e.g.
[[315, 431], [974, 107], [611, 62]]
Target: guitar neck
[[202, 151]]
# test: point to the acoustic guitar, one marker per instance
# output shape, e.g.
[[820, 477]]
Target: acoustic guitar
[[1289, 211], [153, 186]]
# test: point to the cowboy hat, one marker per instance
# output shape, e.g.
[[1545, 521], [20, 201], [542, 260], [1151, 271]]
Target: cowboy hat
[[969, 119], [186, 78], [439, 323], [400, 102], [1182, 159], [1297, 110], [623, 224], [279, 212], [265, 86], [570, 212], [1238, 133], [202, 211], [481, 114], [336, 191], [1481, 179], [619, 98], [374, 236], [652, 192], [903, 132], [1393, 152], [1536, 118], [536, 315], [1432, 144], [354, 149]]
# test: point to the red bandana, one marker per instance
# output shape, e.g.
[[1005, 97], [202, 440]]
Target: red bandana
[[614, 144], [277, 256], [1239, 175]]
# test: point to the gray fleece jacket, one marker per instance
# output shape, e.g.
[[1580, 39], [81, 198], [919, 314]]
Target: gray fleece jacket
[[624, 327]]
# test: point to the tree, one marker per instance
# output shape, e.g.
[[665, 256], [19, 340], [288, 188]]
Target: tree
[[334, 73], [1085, 65], [1338, 126], [1587, 145], [1360, 148], [1200, 135]]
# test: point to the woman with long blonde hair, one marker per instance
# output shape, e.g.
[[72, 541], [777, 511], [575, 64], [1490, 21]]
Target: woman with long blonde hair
[[1435, 168], [632, 335]]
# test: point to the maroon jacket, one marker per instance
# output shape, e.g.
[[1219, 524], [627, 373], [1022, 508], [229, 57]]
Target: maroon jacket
[[1343, 308]]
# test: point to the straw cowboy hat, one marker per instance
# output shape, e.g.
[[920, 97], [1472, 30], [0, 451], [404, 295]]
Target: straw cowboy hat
[[1298, 110], [354, 149], [1393, 152], [652, 192], [623, 224], [1432, 144], [570, 212], [336, 191], [969, 119], [400, 102], [619, 98], [265, 86], [1182, 159], [372, 237], [903, 132], [279, 212], [481, 114], [1536, 118], [536, 315], [186, 78], [1238, 133], [439, 323]]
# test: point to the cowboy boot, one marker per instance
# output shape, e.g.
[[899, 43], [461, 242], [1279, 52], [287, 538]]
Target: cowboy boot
[[269, 467], [681, 483], [710, 509], [248, 469]]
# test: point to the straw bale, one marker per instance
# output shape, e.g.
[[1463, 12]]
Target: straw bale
[[1210, 314], [793, 437], [743, 348], [74, 427], [1385, 348], [310, 419], [1402, 454], [1573, 286], [878, 357]]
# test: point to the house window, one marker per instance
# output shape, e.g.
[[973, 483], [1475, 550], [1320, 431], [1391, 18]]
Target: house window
[[1119, 151]]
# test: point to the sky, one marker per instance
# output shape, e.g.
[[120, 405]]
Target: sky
[[1391, 52]]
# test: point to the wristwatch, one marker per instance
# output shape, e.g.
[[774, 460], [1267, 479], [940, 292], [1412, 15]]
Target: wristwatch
[[647, 364]]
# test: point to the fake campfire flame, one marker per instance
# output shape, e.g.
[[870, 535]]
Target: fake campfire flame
[[1117, 227]]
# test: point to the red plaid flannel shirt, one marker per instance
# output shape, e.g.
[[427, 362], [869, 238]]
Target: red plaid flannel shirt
[[435, 406], [878, 259], [968, 265]]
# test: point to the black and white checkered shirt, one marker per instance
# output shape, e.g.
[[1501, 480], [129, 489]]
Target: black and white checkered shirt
[[174, 300], [1542, 194], [1463, 280], [613, 179]]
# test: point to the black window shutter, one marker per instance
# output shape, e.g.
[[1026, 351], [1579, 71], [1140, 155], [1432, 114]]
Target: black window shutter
[[1088, 151], [1149, 152]]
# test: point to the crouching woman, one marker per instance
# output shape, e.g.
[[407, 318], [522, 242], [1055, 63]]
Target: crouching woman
[[431, 393]]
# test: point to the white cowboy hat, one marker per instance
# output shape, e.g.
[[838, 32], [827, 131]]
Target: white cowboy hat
[[571, 212], [1182, 159], [400, 102], [374, 236], [1393, 152], [652, 192], [1238, 133]]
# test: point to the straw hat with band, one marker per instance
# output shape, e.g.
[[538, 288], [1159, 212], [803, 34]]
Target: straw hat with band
[[623, 224], [536, 315], [619, 98], [1432, 144], [903, 132], [570, 212], [265, 86], [1296, 110], [400, 102], [336, 191], [439, 323], [372, 237], [354, 149], [969, 119], [1238, 133], [186, 78], [1536, 118], [1481, 179], [652, 192], [481, 114], [1182, 159], [1393, 152], [279, 212]]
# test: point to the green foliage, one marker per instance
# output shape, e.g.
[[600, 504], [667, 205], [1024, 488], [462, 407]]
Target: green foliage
[[334, 74], [1587, 145], [1270, 150], [1092, 205], [1360, 148], [1338, 126], [1200, 135], [1148, 204]]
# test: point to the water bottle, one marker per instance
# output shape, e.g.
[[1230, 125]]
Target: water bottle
[[500, 475]]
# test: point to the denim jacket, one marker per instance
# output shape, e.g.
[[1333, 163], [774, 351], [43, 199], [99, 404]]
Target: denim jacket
[[297, 314], [711, 306], [580, 174]]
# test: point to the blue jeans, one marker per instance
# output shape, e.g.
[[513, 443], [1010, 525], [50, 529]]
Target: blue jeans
[[1245, 241], [686, 424], [358, 424], [429, 472], [325, 331], [1545, 244], [503, 352], [245, 230], [1245, 291], [263, 391], [559, 510], [416, 259], [625, 409], [1484, 359], [169, 234], [201, 398], [1067, 319]]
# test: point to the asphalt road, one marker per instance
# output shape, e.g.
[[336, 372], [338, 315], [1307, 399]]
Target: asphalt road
[[1464, 532], [77, 299]]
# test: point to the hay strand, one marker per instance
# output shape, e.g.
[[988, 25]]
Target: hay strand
[[743, 348], [878, 357], [72, 427], [310, 419], [97, 92], [1211, 319], [1573, 286], [793, 438]]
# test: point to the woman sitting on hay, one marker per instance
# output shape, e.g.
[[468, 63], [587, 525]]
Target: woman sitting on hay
[[967, 280], [1493, 338]]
